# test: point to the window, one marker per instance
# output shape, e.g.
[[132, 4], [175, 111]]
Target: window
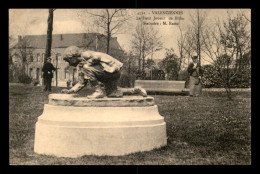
[[38, 57], [35, 59], [31, 58], [30, 72], [74, 75], [60, 74], [59, 57], [37, 73], [64, 73]]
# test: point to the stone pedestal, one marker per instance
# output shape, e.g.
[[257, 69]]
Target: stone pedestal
[[73, 126]]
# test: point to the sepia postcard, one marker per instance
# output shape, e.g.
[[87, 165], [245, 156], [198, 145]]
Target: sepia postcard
[[129, 86]]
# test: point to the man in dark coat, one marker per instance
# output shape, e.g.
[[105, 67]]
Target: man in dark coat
[[47, 70]]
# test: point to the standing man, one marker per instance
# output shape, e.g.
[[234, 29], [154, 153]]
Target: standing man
[[47, 70], [195, 72]]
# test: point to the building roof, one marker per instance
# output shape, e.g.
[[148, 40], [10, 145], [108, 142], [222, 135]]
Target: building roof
[[75, 39]]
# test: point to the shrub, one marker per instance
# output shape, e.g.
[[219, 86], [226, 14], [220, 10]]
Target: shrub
[[11, 78], [211, 79], [23, 78], [126, 80], [13, 74], [184, 76], [158, 74], [242, 79]]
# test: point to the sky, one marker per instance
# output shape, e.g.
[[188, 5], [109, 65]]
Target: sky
[[34, 22]]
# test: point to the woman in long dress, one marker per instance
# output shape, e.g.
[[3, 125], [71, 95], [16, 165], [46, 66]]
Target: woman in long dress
[[195, 72]]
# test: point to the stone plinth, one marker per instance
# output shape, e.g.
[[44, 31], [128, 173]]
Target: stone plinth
[[76, 101], [73, 126]]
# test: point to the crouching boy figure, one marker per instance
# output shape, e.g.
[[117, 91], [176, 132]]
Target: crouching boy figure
[[95, 67]]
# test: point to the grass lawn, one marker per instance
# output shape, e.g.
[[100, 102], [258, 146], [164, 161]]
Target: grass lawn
[[207, 130]]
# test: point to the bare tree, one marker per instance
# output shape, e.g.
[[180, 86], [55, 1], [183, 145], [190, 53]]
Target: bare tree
[[23, 52], [137, 42], [225, 45], [181, 44], [110, 21], [146, 41], [170, 64], [198, 23], [238, 36], [20, 49], [189, 46], [246, 14], [11, 45]]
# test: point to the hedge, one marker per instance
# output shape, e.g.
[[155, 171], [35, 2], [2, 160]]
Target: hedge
[[211, 78]]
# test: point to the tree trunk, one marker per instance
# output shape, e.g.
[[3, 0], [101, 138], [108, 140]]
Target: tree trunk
[[198, 46], [108, 32], [56, 72], [228, 91], [227, 87], [139, 64], [140, 57], [129, 65], [143, 72], [108, 43], [179, 67], [49, 35]]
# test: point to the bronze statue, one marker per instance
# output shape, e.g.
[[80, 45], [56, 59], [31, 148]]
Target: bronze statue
[[96, 68]]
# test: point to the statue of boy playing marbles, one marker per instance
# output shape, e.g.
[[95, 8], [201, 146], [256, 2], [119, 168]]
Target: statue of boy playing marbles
[[95, 67]]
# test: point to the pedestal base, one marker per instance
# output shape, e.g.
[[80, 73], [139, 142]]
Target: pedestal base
[[68, 131]]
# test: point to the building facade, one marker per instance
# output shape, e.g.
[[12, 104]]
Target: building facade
[[64, 73]]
